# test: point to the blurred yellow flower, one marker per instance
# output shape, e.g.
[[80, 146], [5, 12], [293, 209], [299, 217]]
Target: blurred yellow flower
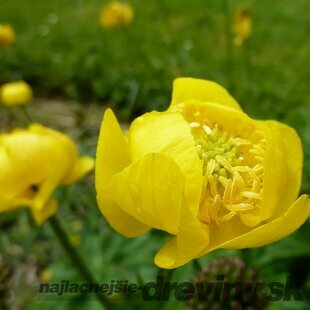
[[46, 275], [202, 171], [75, 240], [116, 14], [15, 93], [7, 35], [33, 163], [242, 26]]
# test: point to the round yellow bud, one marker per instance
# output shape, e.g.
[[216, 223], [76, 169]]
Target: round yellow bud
[[116, 14], [16, 93], [7, 35]]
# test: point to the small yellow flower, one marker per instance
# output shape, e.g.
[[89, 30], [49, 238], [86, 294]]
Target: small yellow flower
[[46, 275], [202, 171], [116, 14], [242, 26], [15, 93], [33, 163], [7, 35], [75, 240]]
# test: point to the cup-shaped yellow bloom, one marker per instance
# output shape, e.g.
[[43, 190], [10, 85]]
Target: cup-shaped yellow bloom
[[116, 14], [7, 35], [33, 163], [15, 93], [204, 172], [242, 26]]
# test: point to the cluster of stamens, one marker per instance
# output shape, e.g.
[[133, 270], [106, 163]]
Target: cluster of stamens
[[233, 172]]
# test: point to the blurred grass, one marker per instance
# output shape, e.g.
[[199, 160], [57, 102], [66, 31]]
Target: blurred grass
[[62, 51]]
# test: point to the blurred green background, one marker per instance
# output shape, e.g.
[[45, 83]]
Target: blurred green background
[[77, 68]]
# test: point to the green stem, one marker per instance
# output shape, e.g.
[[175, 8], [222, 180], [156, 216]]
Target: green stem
[[75, 257], [228, 43], [197, 266], [26, 114], [248, 70], [167, 274], [11, 116]]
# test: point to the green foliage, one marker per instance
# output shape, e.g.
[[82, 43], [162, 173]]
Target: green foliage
[[63, 52]]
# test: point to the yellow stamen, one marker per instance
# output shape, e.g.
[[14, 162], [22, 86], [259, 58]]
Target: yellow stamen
[[251, 195], [240, 207], [233, 171]]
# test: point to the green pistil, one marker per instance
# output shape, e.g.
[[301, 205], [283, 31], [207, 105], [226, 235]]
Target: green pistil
[[210, 145]]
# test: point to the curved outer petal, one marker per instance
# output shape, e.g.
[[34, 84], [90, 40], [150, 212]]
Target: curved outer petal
[[152, 191], [112, 157], [83, 165], [234, 121], [10, 205], [49, 209], [275, 173], [283, 171], [170, 134], [191, 239], [293, 156], [287, 223], [44, 193], [201, 90]]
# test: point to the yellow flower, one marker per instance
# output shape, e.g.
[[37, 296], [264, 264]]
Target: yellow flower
[[76, 240], [204, 172], [33, 163], [46, 275], [7, 35], [16, 93], [242, 26], [116, 14]]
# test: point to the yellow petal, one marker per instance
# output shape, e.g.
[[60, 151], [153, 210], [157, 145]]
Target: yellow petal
[[10, 205], [82, 166], [234, 121], [44, 193], [112, 152], [235, 236], [201, 90], [112, 157], [152, 191], [122, 222], [293, 155], [192, 238], [49, 209], [282, 171], [168, 133]]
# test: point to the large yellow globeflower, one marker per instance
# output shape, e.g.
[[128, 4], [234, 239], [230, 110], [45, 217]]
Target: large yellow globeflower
[[7, 35], [204, 172], [33, 163], [116, 14]]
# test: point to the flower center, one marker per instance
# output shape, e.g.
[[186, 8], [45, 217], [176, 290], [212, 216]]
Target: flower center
[[233, 172]]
